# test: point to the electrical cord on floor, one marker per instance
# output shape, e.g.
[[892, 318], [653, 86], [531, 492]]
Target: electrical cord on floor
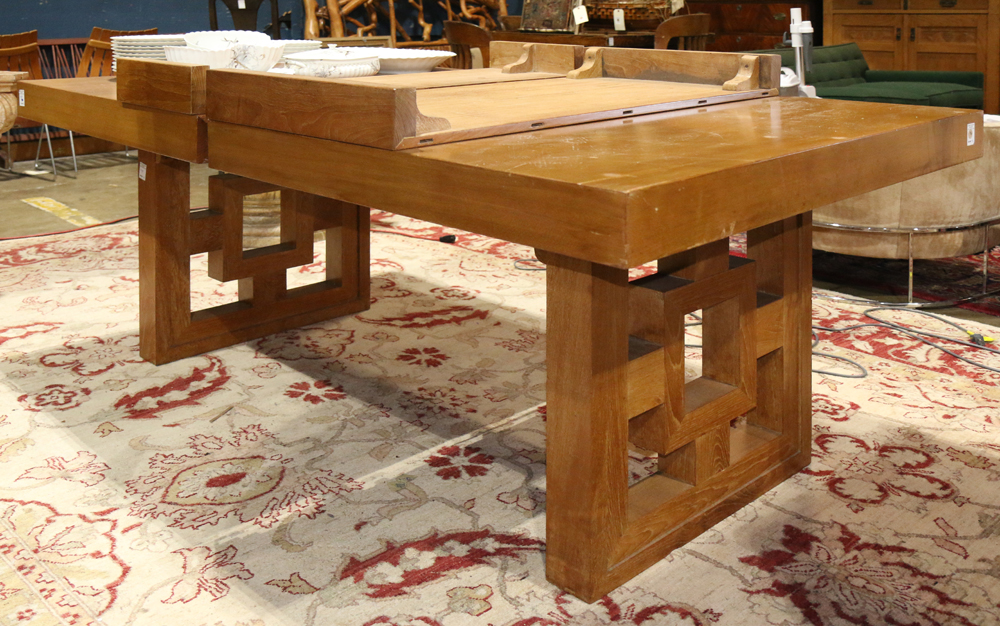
[[525, 265], [976, 340], [72, 230], [863, 373]]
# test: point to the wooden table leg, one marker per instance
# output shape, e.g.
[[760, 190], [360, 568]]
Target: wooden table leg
[[616, 376], [169, 233]]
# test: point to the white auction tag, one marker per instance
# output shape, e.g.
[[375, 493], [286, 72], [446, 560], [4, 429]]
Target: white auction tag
[[20, 97], [676, 5], [970, 134], [142, 171], [580, 15], [618, 15], [242, 4]]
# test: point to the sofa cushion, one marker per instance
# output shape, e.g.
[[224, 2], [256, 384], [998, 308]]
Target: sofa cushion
[[927, 94], [834, 66]]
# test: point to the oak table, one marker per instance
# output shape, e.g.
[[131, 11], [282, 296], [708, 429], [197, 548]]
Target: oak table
[[597, 186]]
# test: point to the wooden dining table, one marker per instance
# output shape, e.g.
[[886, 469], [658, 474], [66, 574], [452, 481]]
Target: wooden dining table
[[622, 159]]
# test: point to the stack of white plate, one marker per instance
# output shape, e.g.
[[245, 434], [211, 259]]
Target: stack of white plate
[[300, 45], [142, 46]]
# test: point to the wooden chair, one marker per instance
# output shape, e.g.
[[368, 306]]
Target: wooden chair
[[19, 53], [691, 32], [463, 37], [96, 59], [510, 22], [245, 18]]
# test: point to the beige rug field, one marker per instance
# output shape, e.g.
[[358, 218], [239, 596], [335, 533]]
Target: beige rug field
[[389, 468]]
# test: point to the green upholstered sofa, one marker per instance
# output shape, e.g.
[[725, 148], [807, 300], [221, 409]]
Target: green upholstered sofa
[[841, 73]]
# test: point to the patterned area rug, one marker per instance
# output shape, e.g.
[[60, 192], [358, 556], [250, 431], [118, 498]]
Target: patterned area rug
[[933, 279], [389, 468]]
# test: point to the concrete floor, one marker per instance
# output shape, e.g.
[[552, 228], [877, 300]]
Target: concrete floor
[[105, 189]]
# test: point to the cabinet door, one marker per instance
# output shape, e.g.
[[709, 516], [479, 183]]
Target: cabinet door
[[946, 42], [880, 38]]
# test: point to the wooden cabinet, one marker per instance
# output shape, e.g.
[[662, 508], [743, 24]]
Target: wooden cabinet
[[752, 25], [934, 35]]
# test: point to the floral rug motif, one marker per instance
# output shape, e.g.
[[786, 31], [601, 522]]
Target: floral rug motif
[[388, 468]]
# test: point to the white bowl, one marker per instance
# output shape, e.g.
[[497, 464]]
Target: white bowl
[[214, 59], [259, 57], [403, 61], [221, 39], [332, 63]]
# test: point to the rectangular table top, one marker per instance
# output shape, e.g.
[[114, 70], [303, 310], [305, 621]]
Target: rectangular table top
[[620, 192], [624, 192], [90, 106]]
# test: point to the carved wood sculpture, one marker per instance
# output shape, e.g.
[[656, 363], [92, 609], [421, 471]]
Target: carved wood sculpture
[[354, 18], [8, 98], [483, 12]]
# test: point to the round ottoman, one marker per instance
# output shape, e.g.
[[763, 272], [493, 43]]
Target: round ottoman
[[947, 213]]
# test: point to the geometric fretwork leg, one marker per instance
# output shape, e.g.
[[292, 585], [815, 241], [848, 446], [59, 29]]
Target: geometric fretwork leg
[[169, 233], [615, 353]]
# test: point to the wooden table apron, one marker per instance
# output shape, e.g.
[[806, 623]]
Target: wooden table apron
[[594, 200]]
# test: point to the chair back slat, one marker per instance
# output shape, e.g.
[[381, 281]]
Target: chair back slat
[[463, 37], [19, 53], [691, 32], [97, 56]]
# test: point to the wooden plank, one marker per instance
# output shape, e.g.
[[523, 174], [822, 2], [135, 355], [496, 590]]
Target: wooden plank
[[90, 106], [372, 115], [164, 254], [785, 155], [177, 87], [539, 57], [792, 164], [586, 431], [680, 66], [396, 114], [483, 110], [431, 80], [511, 207], [645, 376]]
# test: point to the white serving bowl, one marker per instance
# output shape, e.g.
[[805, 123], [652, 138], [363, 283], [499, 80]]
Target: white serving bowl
[[259, 57], [214, 59], [332, 63], [221, 39], [404, 61]]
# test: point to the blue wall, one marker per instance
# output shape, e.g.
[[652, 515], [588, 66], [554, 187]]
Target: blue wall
[[67, 19]]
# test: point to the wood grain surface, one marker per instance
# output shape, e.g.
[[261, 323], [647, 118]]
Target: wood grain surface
[[90, 106], [613, 187]]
